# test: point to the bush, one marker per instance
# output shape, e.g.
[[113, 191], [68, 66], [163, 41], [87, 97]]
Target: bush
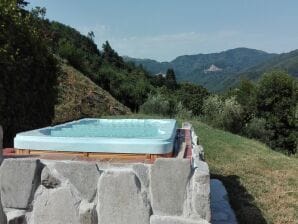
[[225, 114], [212, 110], [256, 129], [231, 117], [277, 97], [156, 104]]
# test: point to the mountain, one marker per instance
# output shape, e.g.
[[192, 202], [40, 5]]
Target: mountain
[[287, 62], [200, 68]]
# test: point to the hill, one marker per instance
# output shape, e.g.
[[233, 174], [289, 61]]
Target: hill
[[287, 62], [196, 68], [79, 97], [261, 183]]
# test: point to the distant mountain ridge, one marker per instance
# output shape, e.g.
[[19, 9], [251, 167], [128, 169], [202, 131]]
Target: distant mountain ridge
[[224, 69]]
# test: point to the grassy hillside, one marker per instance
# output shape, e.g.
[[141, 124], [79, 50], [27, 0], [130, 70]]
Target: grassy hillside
[[79, 97], [262, 183]]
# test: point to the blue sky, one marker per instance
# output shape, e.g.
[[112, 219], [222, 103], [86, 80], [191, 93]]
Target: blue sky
[[165, 29]]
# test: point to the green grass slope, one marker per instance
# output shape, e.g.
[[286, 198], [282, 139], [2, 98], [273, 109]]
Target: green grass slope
[[79, 97], [262, 183]]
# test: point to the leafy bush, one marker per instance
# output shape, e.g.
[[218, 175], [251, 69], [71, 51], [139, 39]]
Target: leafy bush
[[231, 117], [225, 114], [277, 98], [256, 128], [156, 104], [212, 110]]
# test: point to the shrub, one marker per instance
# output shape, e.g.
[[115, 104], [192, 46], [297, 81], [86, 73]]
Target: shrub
[[256, 128], [277, 95], [156, 104], [225, 114], [231, 117]]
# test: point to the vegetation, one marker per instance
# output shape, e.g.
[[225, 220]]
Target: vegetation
[[78, 97], [28, 72], [261, 183], [191, 68], [266, 111]]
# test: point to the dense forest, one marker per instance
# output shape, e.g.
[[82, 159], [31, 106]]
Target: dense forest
[[34, 51]]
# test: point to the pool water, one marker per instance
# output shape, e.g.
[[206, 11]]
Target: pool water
[[152, 136]]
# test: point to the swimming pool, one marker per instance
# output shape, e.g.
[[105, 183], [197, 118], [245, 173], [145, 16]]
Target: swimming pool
[[140, 136]]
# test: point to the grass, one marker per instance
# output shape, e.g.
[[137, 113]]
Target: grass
[[262, 184]]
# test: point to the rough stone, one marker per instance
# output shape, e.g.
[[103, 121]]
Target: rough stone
[[84, 176], [198, 154], [87, 213], [201, 190], [19, 179], [48, 179], [169, 179], [142, 172], [156, 219], [55, 206], [16, 216], [120, 200], [3, 218]]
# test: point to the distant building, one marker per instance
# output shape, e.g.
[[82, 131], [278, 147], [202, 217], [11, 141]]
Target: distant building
[[213, 68], [161, 74]]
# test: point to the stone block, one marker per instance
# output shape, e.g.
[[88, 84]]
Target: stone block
[[142, 172], [19, 179], [87, 213], [169, 178], [55, 206], [120, 200], [82, 175], [3, 218], [198, 155], [48, 179], [16, 216], [156, 219], [201, 191]]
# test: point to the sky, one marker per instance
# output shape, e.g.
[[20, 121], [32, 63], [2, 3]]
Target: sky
[[165, 29]]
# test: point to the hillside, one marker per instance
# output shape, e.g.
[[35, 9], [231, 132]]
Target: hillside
[[79, 97], [196, 68], [262, 183], [287, 62]]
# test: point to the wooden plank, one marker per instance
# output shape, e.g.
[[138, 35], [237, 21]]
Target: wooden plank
[[119, 156]]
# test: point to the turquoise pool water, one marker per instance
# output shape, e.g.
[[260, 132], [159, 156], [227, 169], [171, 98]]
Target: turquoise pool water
[[154, 136]]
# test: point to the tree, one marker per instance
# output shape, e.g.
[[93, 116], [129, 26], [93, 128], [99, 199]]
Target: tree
[[111, 56], [277, 102], [91, 35], [170, 81], [28, 72]]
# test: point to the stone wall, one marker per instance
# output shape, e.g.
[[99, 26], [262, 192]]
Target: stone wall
[[171, 190]]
